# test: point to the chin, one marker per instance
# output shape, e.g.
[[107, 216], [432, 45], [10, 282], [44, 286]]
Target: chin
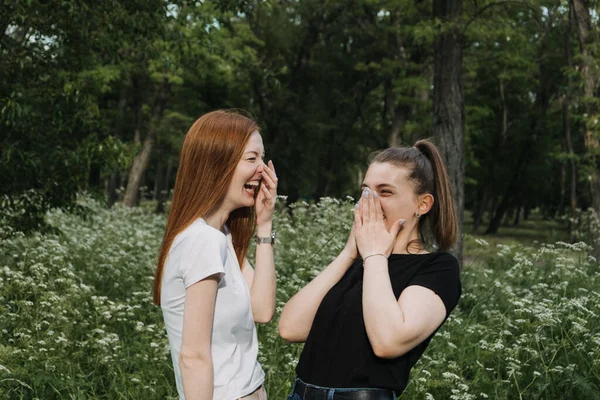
[[248, 202]]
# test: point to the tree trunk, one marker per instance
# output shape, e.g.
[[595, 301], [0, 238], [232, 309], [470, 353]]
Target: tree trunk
[[510, 215], [560, 210], [526, 211], [518, 215], [523, 160], [94, 177], [398, 113], [158, 179], [113, 183], [163, 193], [141, 161], [587, 38], [482, 195], [504, 110], [448, 102], [399, 117], [114, 176]]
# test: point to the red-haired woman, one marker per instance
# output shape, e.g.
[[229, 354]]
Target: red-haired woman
[[368, 317], [209, 293]]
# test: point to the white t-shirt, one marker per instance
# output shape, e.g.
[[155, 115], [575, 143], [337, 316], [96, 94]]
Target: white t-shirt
[[196, 253]]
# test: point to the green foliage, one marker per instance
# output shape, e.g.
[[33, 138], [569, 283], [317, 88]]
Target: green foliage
[[77, 319], [59, 64], [328, 81]]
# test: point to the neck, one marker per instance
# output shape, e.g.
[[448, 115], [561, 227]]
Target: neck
[[407, 235], [218, 217]]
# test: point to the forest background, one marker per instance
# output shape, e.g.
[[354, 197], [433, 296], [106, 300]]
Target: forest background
[[98, 96]]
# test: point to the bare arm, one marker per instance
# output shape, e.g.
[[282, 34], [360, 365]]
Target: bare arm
[[396, 327], [195, 358], [393, 327], [262, 281], [299, 312]]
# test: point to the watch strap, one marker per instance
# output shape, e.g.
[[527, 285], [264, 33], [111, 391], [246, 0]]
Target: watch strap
[[265, 239]]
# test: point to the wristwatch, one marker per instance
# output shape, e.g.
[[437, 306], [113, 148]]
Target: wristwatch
[[268, 239]]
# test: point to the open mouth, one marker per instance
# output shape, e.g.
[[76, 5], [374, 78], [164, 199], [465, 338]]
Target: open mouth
[[252, 187]]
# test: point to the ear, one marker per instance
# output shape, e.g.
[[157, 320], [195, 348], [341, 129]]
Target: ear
[[425, 203]]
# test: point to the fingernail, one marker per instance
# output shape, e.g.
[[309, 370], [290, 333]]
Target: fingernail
[[356, 206], [375, 194], [402, 221], [366, 193]]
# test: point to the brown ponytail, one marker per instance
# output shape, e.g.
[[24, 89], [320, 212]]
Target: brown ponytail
[[428, 175], [442, 216]]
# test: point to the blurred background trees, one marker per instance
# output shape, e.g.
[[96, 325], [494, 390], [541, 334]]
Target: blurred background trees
[[97, 96]]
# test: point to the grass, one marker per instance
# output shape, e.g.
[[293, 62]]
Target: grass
[[534, 230], [76, 318]]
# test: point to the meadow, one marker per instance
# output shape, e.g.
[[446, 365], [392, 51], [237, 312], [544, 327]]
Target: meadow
[[77, 319]]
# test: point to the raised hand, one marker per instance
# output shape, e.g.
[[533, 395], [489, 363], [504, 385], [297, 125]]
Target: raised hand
[[350, 249], [372, 236], [267, 194]]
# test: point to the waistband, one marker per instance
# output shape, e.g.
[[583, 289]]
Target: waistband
[[306, 391]]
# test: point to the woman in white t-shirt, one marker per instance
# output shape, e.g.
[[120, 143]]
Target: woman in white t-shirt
[[209, 293]]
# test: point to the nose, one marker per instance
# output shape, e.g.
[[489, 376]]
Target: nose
[[260, 168]]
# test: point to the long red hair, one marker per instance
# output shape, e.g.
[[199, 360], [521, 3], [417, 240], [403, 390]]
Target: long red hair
[[211, 151]]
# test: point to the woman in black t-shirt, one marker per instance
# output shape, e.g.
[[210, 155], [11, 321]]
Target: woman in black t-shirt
[[368, 317]]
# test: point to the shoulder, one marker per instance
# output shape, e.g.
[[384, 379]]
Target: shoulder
[[441, 261], [440, 273], [199, 234]]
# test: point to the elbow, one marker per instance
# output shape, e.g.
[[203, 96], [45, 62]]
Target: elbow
[[264, 317], [263, 312], [190, 360], [387, 352], [382, 346], [390, 347], [288, 333], [284, 332]]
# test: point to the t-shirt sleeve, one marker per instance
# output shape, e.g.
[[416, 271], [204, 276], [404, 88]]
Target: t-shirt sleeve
[[442, 276], [203, 254]]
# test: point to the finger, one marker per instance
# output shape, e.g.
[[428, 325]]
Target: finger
[[378, 209], [372, 211], [268, 180], [365, 205], [396, 227], [268, 195], [272, 167], [357, 215], [258, 197], [270, 170]]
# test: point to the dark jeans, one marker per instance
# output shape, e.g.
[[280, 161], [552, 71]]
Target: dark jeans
[[329, 393]]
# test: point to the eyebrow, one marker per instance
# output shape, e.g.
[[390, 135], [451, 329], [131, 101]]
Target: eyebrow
[[255, 152]]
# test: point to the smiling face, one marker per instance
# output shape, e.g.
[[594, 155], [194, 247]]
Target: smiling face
[[247, 175], [398, 198]]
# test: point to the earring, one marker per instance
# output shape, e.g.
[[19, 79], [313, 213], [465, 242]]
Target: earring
[[417, 214]]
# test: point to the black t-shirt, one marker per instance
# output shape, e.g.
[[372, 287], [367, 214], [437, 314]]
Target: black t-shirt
[[337, 352]]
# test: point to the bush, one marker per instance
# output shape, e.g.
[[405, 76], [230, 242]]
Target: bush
[[77, 320]]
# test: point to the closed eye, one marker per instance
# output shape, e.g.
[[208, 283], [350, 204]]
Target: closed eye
[[253, 159]]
